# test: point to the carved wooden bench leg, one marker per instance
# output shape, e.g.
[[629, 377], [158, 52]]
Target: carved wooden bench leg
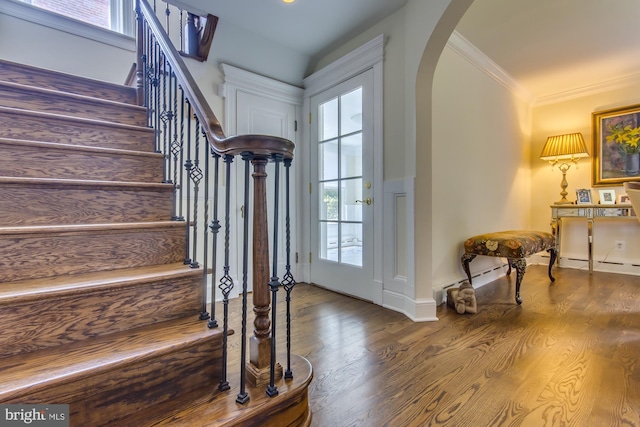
[[520, 264], [552, 256], [466, 259]]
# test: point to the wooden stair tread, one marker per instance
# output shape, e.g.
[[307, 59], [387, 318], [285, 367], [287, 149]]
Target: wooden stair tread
[[77, 148], [94, 122], [4, 180], [30, 289], [71, 96], [62, 81], [85, 228], [28, 373]]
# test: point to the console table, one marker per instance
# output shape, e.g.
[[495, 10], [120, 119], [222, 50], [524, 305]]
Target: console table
[[590, 212]]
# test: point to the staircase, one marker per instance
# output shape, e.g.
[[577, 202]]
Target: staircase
[[98, 309], [102, 285]]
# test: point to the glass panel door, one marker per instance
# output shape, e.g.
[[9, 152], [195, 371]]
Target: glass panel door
[[340, 178], [341, 172]]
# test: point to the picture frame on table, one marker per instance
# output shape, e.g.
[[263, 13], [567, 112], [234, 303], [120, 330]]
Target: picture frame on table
[[623, 199], [616, 148], [583, 196], [607, 197]]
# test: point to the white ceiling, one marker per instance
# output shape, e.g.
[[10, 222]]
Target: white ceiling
[[306, 26], [548, 46]]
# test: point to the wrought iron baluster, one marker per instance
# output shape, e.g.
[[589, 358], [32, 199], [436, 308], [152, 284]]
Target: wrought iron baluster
[[243, 396], [149, 75], [188, 165], [156, 124], [172, 104], [226, 282], [181, 31], [167, 12], [215, 228], [288, 281], [274, 283], [196, 177], [181, 159], [165, 117], [176, 149], [204, 315]]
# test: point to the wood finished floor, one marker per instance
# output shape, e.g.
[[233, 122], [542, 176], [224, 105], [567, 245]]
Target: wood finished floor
[[567, 357]]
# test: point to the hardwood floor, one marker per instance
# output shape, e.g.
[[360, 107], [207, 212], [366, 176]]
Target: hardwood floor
[[568, 356]]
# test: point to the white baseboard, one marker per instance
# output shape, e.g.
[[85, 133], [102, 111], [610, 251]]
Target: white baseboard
[[423, 310], [581, 263], [478, 278]]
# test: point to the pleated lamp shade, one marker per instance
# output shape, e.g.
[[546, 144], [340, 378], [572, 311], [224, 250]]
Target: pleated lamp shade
[[562, 147]]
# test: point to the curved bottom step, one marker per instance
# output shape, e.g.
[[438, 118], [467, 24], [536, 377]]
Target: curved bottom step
[[289, 408]]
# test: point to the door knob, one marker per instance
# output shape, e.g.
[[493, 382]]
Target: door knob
[[366, 201]]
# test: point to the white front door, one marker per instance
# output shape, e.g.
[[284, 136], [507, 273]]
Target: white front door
[[260, 115], [341, 191]]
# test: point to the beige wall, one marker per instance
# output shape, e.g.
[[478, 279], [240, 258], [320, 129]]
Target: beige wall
[[33, 44], [480, 160], [574, 115]]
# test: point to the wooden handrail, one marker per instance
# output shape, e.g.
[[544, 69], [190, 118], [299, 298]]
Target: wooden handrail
[[258, 145]]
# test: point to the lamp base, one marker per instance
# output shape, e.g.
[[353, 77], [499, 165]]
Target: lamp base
[[564, 184]]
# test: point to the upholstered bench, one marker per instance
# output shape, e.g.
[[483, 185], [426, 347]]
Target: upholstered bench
[[515, 245]]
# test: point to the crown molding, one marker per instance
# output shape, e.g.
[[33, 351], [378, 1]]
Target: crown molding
[[605, 86], [477, 58]]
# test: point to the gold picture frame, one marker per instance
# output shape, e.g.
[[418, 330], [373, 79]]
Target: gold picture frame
[[616, 148]]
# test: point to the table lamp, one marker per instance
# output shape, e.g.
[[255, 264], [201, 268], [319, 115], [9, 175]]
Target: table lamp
[[564, 150]]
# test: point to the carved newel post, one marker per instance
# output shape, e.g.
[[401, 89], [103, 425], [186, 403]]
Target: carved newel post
[[260, 343]]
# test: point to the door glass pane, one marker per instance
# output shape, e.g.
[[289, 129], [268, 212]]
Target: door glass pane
[[329, 201], [351, 112], [328, 120], [351, 244], [351, 191], [351, 156], [328, 160], [329, 241]]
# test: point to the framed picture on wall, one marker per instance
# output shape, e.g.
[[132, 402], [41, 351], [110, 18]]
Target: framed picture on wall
[[616, 148], [607, 197], [583, 196]]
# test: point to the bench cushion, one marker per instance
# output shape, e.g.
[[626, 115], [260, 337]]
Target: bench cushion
[[510, 244]]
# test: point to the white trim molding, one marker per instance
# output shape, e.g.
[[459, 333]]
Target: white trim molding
[[367, 56], [259, 85], [399, 289], [477, 58], [609, 85]]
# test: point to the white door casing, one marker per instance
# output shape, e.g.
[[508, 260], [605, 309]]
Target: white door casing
[[367, 57]]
